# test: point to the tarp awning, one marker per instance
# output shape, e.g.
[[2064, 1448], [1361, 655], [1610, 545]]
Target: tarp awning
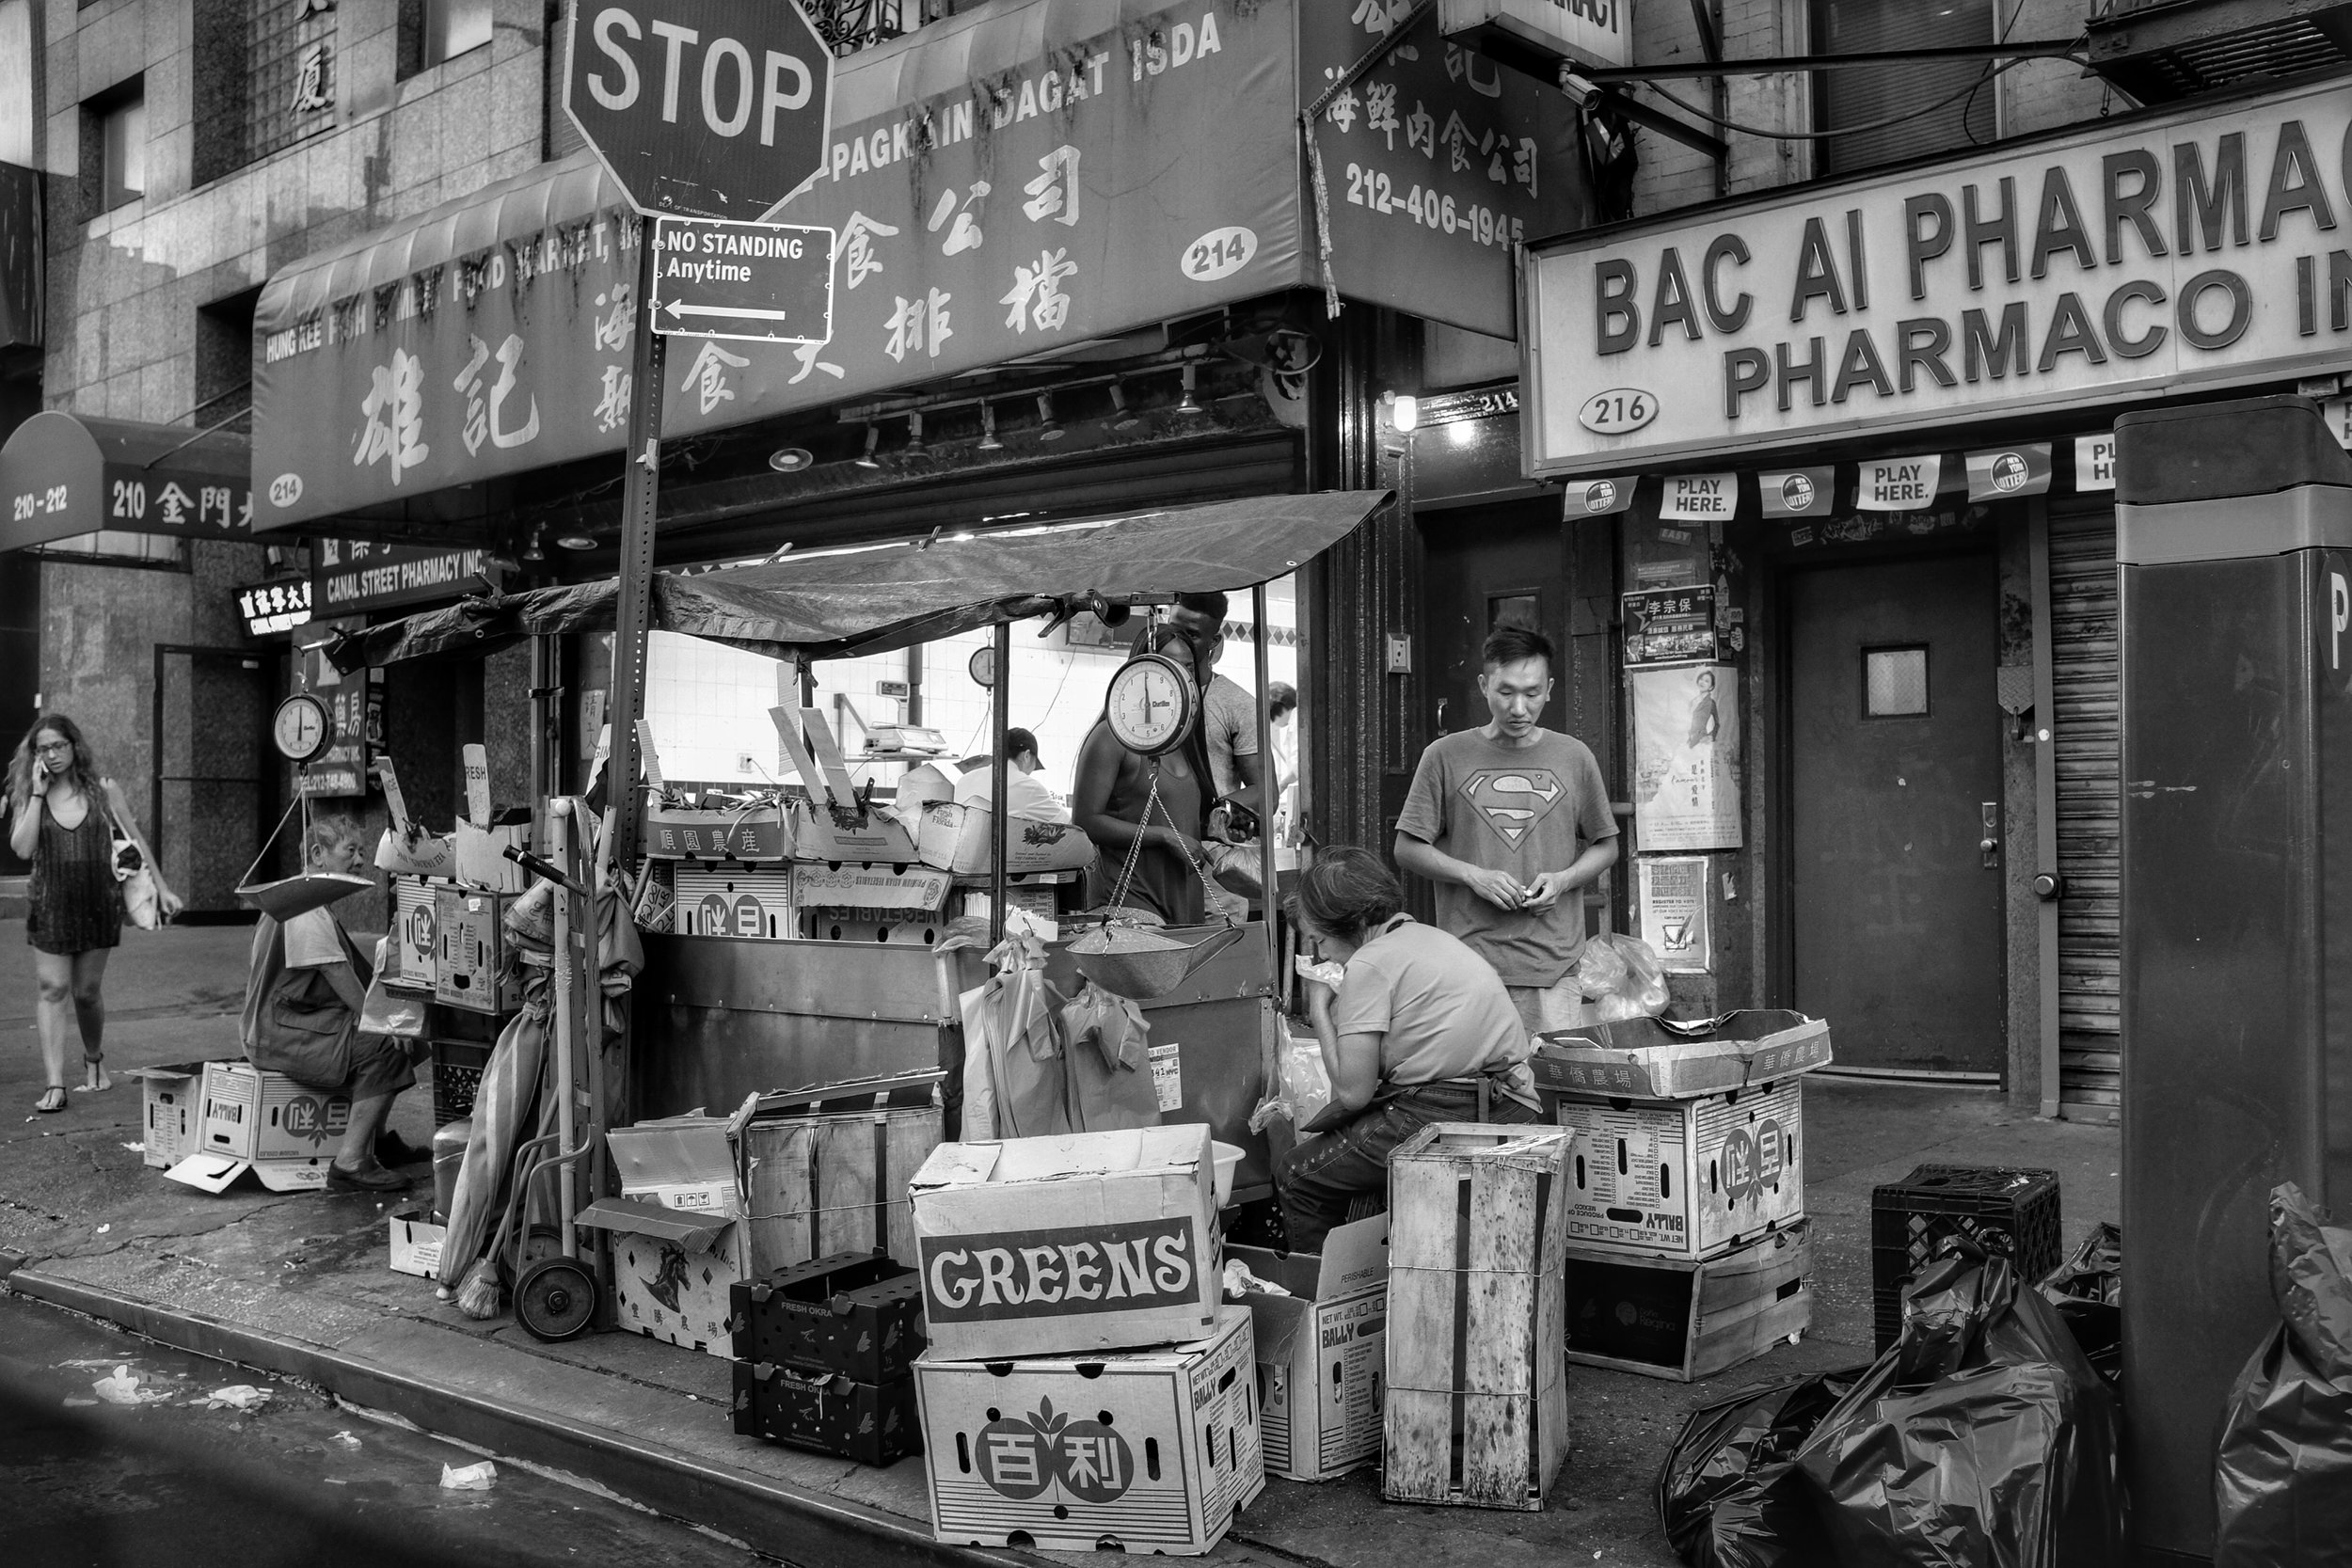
[[834, 603], [63, 475]]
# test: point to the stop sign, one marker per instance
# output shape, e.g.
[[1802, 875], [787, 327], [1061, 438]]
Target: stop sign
[[706, 108]]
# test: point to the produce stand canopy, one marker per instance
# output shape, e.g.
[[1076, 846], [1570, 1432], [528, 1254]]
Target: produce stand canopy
[[872, 600]]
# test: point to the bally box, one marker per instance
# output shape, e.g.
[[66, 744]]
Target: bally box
[[1686, 1177], [1089, 1242], [1320, 1351], [1146, 1452]]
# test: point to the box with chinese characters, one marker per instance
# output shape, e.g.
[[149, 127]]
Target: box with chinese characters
[[1140, 1452]]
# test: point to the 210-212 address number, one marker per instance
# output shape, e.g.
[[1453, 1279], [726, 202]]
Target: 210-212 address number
[[1369, 187]]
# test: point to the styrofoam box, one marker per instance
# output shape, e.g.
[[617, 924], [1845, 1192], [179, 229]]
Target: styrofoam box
[[737, 903], [1143, 1451], [251, 1113], [1686, 1177]]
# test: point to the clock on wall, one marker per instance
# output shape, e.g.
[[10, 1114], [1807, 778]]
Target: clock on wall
[[303, 729]]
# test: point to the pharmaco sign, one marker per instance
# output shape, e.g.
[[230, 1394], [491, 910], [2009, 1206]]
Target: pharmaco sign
[[2201, 250]]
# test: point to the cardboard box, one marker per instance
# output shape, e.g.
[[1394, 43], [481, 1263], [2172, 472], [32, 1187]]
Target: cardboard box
[[821, 1183], [1320, 1351], [750, 834], [1644, 1058], [834, 825], [171, 1110], [1687, 1318], [755, 905], [1686, 1177], [415, 951], [474, 970], [680, 1163], [828, 1412], [1093, 1240], [856, 1313], [674, 1272], [956, 838], [422, 855], [1056, 1453], [481, 861], [215, 1173], [251, 1114], [869, 887], [416, 1242]]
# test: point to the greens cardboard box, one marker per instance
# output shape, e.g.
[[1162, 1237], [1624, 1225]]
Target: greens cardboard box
[[1147, 1452], [1089, 1242]]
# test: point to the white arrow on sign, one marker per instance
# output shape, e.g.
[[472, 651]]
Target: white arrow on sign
[[676, 310]]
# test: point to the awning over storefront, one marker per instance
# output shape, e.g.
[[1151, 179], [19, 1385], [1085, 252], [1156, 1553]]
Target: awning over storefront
[[1004, 185], [66, 474], [20, 258], [838, 602]]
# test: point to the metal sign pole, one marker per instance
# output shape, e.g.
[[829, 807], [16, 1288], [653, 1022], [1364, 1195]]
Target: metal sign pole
[[999, 766], [639, 501]]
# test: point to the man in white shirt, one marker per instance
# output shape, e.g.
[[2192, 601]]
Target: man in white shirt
[[1031, 800]]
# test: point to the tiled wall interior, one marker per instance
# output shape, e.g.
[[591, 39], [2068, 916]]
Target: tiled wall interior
[[709, 702]]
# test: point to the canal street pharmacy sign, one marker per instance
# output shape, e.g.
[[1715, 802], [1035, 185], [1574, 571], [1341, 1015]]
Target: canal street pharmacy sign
[[2199, 250]]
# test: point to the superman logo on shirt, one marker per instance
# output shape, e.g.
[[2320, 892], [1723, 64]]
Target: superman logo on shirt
[[1512, 800]]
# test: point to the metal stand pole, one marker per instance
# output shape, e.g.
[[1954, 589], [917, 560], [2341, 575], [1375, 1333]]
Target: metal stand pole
[[998, 764], [1269, 791], [639, 500]]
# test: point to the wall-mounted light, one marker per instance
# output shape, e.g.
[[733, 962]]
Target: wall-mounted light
[[1402, 408], [1191, 404], [873, 440], [988, 429], [1124, 417], [790, 460], [1048, 427]]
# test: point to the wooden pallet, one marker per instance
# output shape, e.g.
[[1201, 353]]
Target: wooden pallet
[[1476, 1406], [1685, 1320]]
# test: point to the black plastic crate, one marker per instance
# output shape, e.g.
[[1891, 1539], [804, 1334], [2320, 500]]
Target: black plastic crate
[[856, 1313], [874, 1424], [456, 1078], [2011, 1213]]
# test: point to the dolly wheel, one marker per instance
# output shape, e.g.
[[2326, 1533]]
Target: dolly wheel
[[555, 1299]]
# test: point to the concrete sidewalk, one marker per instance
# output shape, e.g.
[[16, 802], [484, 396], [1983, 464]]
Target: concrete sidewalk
[[297, 1285]]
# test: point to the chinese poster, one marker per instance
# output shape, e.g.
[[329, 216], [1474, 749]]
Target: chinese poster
[[1672, 893], [1670, 625], [1685, 757]]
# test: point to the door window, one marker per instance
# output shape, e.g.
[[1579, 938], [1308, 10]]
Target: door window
[[1894, 683]]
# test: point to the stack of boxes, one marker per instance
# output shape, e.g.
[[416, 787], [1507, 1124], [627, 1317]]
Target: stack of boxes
[[824, 1356], [1688, 1250], [1085, 1387]]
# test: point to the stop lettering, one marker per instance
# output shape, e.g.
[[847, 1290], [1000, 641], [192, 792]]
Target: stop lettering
[[731, 87]]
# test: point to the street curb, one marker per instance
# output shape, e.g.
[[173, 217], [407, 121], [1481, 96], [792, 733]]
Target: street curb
[[808, 1530]]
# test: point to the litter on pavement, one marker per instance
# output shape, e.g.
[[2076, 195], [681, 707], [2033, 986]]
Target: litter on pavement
[[469, 1477]]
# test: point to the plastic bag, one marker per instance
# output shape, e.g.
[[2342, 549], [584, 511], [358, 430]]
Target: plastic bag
[[2283, 1479], [1623, 976], [1301, 1088], [1108, 1063], [1726, 1495], [1983, 1438], [2088, 1291]]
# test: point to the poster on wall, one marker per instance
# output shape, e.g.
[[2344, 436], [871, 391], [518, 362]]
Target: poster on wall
[[1685, 757], [1672, 892], [1670, 625]]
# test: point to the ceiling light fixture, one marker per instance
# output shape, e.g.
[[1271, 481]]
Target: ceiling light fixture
[[573, 541], [873, 440], [988, 429], [1126, 418], [1191, 404], [790, 460], [914, 435], [531, 551], [1048, 427]]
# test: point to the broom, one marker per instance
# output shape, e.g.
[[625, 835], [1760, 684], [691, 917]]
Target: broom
[[478, 1297]]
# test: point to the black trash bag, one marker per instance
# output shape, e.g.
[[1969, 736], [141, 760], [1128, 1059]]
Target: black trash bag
[[1981, 1439], [2088, 1291], [2282, 1481], [1724, 1495]]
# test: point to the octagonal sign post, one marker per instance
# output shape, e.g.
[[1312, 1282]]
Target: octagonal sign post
[[701, 108]]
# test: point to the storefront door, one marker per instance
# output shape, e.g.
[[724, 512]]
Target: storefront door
[[1487, 566], [1893, 763]]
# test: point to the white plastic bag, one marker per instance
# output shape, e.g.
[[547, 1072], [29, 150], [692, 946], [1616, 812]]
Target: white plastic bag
[[1623, 976], [1301, 1089]]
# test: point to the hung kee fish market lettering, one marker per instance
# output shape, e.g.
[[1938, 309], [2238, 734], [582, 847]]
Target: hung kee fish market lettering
[[2215, 198]]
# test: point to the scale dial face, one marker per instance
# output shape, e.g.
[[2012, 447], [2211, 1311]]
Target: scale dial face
[[1152, 704], [303, 729], [982, 667]]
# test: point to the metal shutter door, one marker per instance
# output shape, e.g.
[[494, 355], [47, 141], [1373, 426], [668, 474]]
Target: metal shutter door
[[2084, 664]]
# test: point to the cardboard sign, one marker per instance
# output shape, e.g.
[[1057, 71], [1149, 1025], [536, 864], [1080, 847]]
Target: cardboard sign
[[1062, 1450], [477, 785], [1093, 1240]]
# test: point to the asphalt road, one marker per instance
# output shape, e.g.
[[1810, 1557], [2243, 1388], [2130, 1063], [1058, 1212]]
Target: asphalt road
[[299, 1483]]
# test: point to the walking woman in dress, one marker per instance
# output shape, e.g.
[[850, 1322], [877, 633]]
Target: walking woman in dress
[[60, 818]]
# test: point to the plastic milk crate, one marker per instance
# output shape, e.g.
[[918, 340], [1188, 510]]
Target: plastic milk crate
[[457, 1067], [2010, 1213]]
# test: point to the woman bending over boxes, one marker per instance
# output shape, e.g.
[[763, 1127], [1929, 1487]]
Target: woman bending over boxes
[[1419, 1029]]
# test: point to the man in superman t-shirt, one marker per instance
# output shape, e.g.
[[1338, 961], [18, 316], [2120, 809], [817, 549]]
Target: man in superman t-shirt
[[1511, 821]]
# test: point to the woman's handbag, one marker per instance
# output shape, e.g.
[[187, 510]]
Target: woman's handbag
[[141, 904]]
